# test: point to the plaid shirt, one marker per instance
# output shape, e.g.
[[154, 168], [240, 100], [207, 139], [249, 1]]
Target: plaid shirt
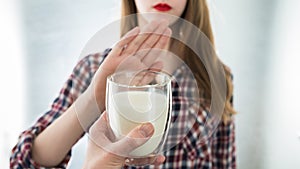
[[217, 152]]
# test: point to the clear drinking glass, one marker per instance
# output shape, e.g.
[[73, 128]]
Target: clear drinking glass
[[133, 98]]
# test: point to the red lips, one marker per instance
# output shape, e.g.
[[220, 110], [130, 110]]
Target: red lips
[[162, 7]]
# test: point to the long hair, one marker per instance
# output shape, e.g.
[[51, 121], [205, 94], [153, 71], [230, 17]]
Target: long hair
[[197, 13]]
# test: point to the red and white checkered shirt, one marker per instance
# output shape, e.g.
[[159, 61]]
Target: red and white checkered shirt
[[216, 152]]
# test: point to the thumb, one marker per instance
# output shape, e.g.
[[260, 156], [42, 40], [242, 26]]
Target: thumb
[[137, 137]]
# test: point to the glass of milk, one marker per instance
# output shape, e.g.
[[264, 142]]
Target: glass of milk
[[134, 98]]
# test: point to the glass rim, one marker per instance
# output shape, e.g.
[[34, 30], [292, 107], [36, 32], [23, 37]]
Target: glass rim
[[160, 72]]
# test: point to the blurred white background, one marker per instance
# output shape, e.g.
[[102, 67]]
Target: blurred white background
[[41, 42]]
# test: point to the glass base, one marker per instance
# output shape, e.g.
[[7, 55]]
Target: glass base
[[140, 161]]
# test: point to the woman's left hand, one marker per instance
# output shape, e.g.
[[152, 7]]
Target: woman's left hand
[[98, 156]]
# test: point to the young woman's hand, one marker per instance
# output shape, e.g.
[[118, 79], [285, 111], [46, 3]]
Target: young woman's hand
[[101, 147], [137, 50], [140, 46]]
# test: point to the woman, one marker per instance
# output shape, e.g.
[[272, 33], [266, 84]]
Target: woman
[[61, 125]]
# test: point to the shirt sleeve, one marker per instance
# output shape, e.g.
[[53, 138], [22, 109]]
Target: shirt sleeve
[[76, 84]]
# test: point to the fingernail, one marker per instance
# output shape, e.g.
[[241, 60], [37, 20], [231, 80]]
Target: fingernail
[[136, 29], [168, 32], [146, 129]]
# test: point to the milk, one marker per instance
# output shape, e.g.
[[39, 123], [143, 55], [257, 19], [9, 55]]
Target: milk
[[132, 108]]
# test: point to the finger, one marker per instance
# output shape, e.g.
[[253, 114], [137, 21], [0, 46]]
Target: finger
[[142, 78], [145, 76], [159, 160], [164, 39], [137, 137], [129, 36], [135, 81], [157, 51], [154, 37], [100, 132], [150, 76], [157, 66], [146, 79], [138, 78], [141, 161], [99, 125], [135, 44], [131, 63], [151, 41]]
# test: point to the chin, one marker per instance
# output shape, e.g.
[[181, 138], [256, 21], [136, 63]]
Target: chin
[[150, 16]]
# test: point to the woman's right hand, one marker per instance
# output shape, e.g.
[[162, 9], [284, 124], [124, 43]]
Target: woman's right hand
[[140, 44], [137, 50], [142, 48]]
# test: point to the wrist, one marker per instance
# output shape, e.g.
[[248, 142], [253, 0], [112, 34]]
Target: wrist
[[87, 109]]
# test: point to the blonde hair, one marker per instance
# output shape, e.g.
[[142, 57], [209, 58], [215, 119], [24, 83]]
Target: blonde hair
[[196, 12]]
